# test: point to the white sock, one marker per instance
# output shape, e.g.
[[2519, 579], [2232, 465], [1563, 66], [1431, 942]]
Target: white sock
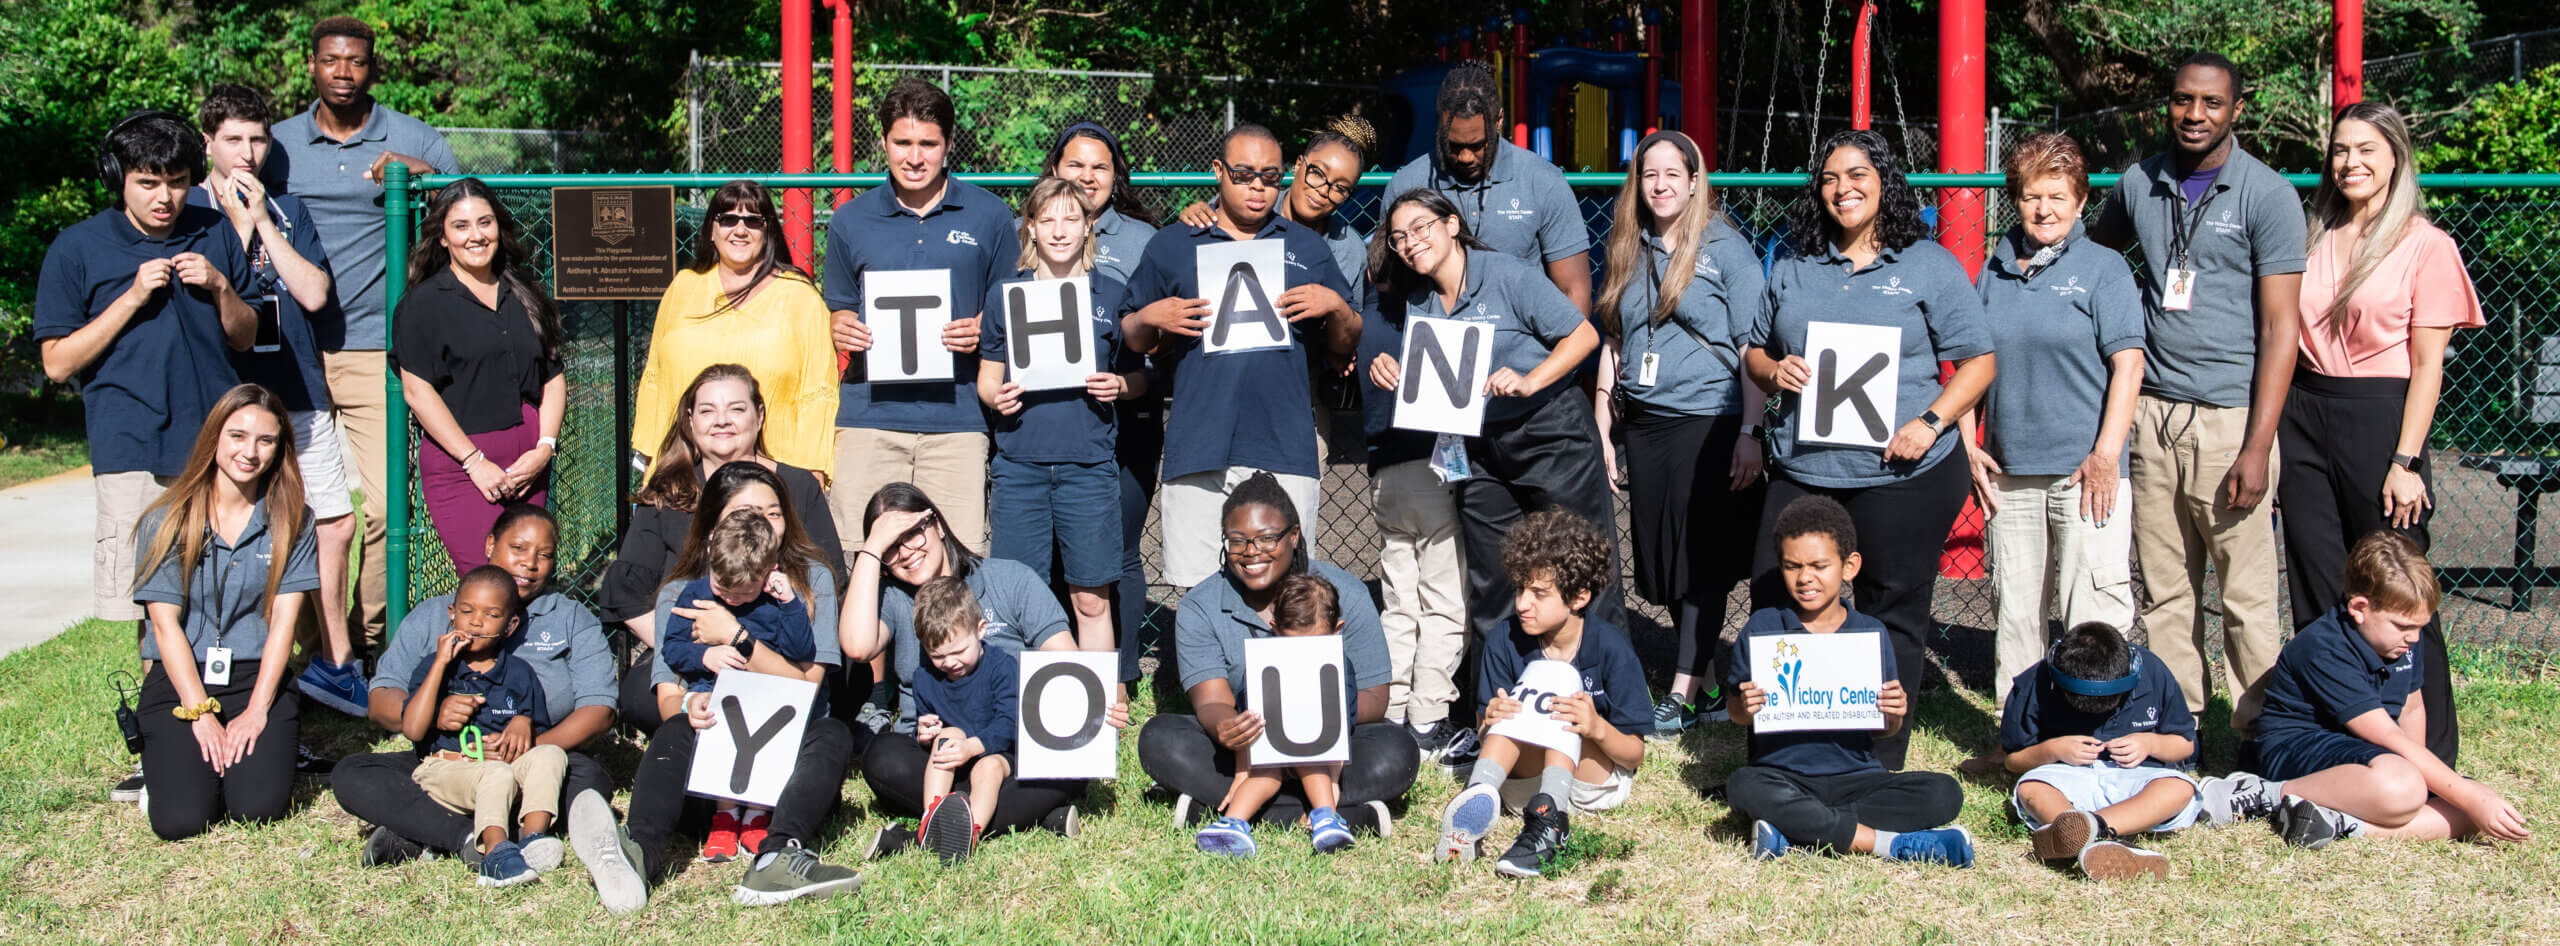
[[1884, 843], [2349, 826]]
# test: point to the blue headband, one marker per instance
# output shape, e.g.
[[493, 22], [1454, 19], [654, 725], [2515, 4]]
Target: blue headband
[[1069, 132], [2116, 687]]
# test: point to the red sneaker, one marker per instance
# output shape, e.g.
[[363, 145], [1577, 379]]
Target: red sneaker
[[751, 833], [722, 845]]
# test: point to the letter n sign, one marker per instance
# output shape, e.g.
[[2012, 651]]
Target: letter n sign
[[754, 739], [1061, 732], [1048, 333], [1301, 687], [1850, 399], [1444, 367]]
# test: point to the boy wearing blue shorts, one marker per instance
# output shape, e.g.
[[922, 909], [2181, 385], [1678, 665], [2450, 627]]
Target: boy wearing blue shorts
[[2097, 732]]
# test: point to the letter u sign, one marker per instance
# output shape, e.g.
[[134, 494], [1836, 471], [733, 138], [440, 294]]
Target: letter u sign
[[1302, 688]]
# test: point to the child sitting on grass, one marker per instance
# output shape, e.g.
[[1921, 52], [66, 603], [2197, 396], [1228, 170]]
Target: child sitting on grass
[[1819, 788], [967, 710], [2098, 731], [1557, 561], [2343, 744], [489, 775], [1304, 606], [744, 552]]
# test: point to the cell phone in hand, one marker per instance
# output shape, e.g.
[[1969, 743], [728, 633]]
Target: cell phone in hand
[[270, 323]]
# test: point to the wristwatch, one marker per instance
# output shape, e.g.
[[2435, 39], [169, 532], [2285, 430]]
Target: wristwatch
[[2405, 461], [1751, 430], [1930, 418]]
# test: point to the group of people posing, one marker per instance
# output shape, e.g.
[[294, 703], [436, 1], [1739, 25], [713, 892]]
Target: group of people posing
[[899, 544]]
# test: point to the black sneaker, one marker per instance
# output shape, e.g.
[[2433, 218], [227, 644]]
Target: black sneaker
[[385, 847], [1710, 707], [947, 829], [1370, 816], [2305, 824], [1063, 822], [1543, 831], [890, 839], [311, 764], [1433, 738], [130, 789], [1459, 756]]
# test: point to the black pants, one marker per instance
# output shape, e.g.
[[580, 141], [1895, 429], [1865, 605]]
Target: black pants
[[1178, 754], [1826, 812], [660, 807], [1901, 528], [2337, 437], [895, 766], [1549, 458], [1686, 523], [186, 796], [1140, 452], [380, 788]]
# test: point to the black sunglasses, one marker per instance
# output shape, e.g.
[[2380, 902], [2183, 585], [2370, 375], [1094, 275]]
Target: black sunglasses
[[750, 221], [1235, 175]]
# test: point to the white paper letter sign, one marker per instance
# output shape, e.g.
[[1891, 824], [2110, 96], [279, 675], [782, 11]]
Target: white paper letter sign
[[1243, 281], [754, 739], [1300, 686], [1541, 684], [1048, 341], [1062, 733], [906, 310], [1818, 681], [1850, 399], [1446, 362]]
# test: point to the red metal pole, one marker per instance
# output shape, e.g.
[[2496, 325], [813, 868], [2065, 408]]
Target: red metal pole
[[799, 218], [1861, 77], [1519, 66], [840, 48], [1652, 116], [1961, 78], [1698, 75], [2346, 79]]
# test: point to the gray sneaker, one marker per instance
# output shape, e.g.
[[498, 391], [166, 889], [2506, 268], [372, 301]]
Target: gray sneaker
[[612, 858], [789, 874], [542, 852], [2309, 825], [2240, 797], [875, 718]]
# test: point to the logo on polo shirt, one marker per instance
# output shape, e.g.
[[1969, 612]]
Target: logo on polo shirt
[[1293, 260], [1893, 287], [1706, 267], [995, 625], [2225, 224], [2151, 718], [1514, 212], [961, 238], [2071, 288], [546, 641]]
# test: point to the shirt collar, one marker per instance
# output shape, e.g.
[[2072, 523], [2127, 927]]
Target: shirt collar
[[1231, 603], [2011, 254], [2366, 659], [1268, 227], [2166, 174], [375, 128], [251, 534], [954, 196], [1496, 170], [1478, 264], [1884, 254]]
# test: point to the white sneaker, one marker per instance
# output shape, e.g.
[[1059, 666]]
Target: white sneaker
[[1463, 823]]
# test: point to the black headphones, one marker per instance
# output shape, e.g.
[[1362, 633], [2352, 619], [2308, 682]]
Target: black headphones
[[110, 168]]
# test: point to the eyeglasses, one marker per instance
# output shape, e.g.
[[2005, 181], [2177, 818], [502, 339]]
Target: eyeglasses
[[1314, 179], [914, 539], [749, 221], [1235, 175], [1263, 544], [1399, 239]]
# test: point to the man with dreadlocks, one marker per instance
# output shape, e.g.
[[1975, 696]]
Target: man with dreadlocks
[[1512, 199]]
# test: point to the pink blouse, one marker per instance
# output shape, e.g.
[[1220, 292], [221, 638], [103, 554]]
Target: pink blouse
[[2420, 284]]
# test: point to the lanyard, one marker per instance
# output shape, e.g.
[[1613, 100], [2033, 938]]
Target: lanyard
[[2183, 237]]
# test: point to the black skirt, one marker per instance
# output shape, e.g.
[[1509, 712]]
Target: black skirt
[[1688, 530]]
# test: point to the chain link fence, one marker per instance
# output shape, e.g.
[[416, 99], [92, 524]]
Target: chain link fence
[[2496, 438], [526, 150]]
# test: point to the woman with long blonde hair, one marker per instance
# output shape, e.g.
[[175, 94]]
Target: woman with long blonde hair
[[226, 556], [2381, 295]]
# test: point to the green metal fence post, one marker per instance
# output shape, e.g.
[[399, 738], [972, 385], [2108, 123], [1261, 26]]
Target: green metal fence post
[[395, 278]]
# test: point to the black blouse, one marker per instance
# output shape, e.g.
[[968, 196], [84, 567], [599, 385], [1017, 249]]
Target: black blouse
[[485, 364], [656, 537]]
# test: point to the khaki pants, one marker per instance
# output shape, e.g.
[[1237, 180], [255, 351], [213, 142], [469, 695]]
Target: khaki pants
[[2044, 554], [121, 497], [1424, 578], [487, 790], [2181, 525], [950, 468], [356, 388]]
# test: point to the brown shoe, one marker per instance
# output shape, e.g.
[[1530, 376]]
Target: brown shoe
[[2109, 860], [2064, 838]]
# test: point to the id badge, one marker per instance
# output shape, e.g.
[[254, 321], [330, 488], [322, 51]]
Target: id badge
[[1449, 458], [2181, 290], [1649, 370], [217, 666]]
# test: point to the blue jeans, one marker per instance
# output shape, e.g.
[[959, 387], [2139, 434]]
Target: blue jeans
[[1069, 509]]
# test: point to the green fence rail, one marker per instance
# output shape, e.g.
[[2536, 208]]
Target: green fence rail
[[2497, 435]]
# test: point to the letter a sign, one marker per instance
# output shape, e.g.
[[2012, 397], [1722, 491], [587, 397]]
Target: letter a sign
[[1048, 338], [1446, 362], [1850, 399], [1062, 732], [906, 310], [754, 739], [1301, 688], [1243, 281]]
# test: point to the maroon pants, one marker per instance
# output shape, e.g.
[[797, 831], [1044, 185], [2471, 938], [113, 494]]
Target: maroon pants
[[462, 518]]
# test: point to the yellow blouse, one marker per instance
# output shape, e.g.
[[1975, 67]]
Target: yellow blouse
[[781, 335]]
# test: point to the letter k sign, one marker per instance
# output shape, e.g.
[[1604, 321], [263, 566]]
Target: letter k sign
[[1831, 392], [1850, 401]]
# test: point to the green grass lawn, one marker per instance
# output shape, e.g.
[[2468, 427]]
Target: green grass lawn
[[1670, 867], [41, 455]]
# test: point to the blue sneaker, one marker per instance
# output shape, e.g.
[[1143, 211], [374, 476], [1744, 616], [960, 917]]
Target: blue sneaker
[[1767, 842], [1226, 837], [337, 686], [1330, 833], [504, 866], [1464, 822], [1952, 846]]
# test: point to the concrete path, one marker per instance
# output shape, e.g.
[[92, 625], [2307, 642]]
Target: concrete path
[[46, 528]]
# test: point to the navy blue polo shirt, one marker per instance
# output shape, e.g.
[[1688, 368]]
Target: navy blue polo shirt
[[1021, 615], [1212, 623], [149, 392], [770, 622], [2038, 710], [985, 704], [225, 599], [1382, 333], [1118, 241], [293, 372], [560, 639], [1063, 425], [2057, 329], [1529, 315], [971, 234], [328, 174], [1521, 207], [2328, 675], [1238, 408], [509, 688], [1813, 753], [1699, 348], [1606, 661], [1920, 289]]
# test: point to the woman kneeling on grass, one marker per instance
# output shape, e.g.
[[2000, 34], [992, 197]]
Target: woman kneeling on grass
[[219, 730]]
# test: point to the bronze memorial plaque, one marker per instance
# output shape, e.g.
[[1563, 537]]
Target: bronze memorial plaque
[[612, 242]]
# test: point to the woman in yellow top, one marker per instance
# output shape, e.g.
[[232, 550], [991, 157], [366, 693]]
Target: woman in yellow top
[[743, 303]]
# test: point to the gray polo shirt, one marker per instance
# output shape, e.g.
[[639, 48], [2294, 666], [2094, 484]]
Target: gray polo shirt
[[1119, 241], [1213, 622], [561, 640], [2248, 224], [1919, 289], [2057, 329], [328, 174], [1021, 615], [1521, 207], [1350, 255], [1725, 295], [225, 601], [1529, 316]]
